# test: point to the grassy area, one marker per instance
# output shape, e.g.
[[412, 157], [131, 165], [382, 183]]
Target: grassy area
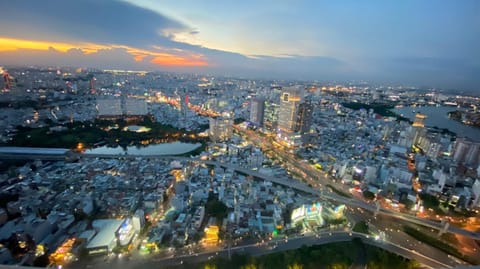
[[437, 243], [90, 133], [361, 227], [332, 256]]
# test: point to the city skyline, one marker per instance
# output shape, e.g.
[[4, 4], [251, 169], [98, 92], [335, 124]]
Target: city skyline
[[124, 169], [427, 43]]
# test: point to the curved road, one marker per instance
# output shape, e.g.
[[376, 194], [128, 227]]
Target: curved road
[[262, 249]]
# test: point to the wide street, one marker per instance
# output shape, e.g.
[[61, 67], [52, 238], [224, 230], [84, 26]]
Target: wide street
[[152, 261]]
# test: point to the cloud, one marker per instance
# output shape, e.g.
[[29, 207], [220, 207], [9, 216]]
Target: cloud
[[286, 67], [82, 51], [104, 21], [443, 72], [117, 34]]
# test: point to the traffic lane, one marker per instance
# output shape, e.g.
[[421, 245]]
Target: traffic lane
[[413, 245], [261, 249], [394, 233]]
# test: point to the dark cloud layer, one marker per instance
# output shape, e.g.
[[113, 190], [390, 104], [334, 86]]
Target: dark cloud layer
[[100, 21]]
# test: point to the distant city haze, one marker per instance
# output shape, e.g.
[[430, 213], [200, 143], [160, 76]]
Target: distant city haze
[[417, 43]]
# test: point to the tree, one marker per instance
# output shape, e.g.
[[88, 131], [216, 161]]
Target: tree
[[361, 227], [216, 208], [368, 195], [429, 200], [41, 261]]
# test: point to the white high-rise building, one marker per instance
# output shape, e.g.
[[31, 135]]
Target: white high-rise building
[[289, 102]]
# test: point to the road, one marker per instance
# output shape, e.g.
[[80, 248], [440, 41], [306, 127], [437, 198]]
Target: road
[[266, 248]]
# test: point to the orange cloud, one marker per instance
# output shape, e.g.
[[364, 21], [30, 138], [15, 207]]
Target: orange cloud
[[167, 59], [12, 44], [159, 58], [177, 61]]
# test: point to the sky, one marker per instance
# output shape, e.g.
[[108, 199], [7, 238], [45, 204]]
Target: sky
[[430, 43]]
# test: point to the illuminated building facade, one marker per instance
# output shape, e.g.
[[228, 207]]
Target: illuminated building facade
[[63, 254], [310, 215], [221, 129], [270, 116], [125, 232], [110, 233], [288, 112], [211, 235]]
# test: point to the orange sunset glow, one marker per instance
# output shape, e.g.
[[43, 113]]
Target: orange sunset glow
[[158, 58]]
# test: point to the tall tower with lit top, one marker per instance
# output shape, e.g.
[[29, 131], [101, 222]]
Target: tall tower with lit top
[[289, 102]]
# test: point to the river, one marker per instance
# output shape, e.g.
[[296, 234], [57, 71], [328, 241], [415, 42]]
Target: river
[[174, 148], [438, 116]]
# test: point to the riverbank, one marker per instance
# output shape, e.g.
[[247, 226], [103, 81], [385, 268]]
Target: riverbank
[[465, 117], [438, 118]]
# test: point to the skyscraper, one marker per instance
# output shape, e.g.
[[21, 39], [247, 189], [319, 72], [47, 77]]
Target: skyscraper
[[6, 80], [467, 152], [288, 112], [270, 116], [220, 129], [304, 117], [257, 109]]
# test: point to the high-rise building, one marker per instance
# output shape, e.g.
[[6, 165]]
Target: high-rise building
[[182, 97], [467, 152], [257, 109], [270, 116], [220, 129], [304, 117], [473, 156], [6, 80], [92, 85], [288, 112]]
